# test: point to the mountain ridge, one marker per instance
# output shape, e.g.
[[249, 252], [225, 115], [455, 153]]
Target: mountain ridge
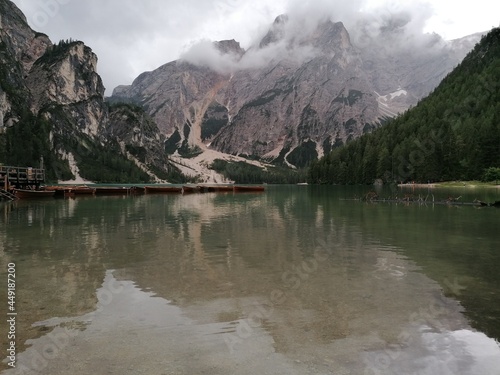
[[304, 94]]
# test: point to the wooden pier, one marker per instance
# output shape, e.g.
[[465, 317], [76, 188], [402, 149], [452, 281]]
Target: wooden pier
[[21, 177]]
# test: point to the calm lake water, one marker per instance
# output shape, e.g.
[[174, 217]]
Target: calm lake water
[[296, 280]]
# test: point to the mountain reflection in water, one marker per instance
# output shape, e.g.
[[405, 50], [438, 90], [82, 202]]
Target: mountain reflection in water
[[287, 282]]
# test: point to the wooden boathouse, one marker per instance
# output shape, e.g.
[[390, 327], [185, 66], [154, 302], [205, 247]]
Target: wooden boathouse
[[19, 178]]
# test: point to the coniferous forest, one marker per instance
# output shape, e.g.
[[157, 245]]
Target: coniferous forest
[[453, 134]]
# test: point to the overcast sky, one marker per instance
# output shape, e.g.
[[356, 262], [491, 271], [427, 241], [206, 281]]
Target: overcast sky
[[133, 36]]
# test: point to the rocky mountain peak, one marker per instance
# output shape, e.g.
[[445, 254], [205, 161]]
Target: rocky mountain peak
[[66, 74], [281, 19], [229, 47], [326, 36], [276, 32], [22, 42], [330, 36]]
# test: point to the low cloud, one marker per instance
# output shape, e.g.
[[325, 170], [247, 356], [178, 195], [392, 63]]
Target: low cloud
[[205, 53], [396, 25], [393, 28], [304, 16]]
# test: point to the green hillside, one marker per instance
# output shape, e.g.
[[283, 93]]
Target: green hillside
[[452, 134]]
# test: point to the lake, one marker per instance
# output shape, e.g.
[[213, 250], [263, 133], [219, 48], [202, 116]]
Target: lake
[[296, 280]]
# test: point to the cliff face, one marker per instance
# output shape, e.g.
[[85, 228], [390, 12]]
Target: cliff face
[[54, 92], [294, 95], [20, 47], [66, 74], [139, 139], [187, 91], [24, 44]]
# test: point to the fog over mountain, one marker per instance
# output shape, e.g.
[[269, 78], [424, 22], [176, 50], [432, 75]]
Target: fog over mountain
[[392, 29]]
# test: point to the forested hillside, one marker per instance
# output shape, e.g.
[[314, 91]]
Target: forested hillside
[[452, 134]]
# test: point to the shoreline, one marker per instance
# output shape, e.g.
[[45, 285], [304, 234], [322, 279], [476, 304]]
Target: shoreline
[[450, 184], [431, 185], [76, 181]]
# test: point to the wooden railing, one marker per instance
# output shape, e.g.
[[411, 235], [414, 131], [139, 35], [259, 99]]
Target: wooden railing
[[21, 176]]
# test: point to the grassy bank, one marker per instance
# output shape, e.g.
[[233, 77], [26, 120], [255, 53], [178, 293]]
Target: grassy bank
[[471, 184]]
